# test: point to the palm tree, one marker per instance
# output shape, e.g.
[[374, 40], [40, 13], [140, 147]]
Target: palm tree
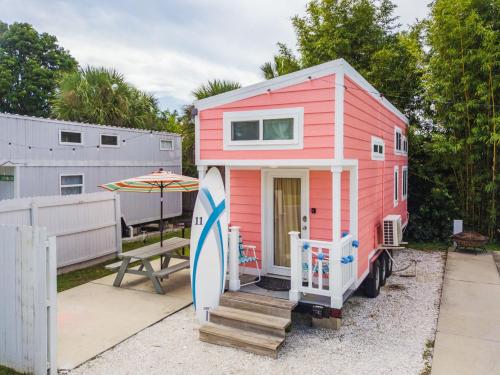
[[215, 87], [283, 63], [102, 96]]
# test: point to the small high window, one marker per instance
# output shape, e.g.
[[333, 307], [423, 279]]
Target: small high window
[[70, 137], [377, 148], [71, 184], [404, 183], [405, 145], [166, 144], [396, 185], [398, 139], [264, 129], [109, 140]]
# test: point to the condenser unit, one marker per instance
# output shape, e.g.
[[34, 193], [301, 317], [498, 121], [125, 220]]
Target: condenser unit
[[393, 233]]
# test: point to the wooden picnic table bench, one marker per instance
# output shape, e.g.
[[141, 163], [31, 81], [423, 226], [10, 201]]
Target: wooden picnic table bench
[[145, 255]]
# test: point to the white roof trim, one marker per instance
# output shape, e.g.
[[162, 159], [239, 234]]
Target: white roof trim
[[331, 67]]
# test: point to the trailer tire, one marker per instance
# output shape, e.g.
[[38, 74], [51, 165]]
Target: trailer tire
[[372, 282], [389, 262], [383, 268]]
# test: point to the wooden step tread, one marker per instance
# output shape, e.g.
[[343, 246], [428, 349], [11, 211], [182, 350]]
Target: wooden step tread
[[250, 338], [251, 317], [261, 300]]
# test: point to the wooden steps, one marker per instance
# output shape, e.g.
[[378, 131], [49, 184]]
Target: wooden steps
[[250, 322], [257, 303], [237, 338]]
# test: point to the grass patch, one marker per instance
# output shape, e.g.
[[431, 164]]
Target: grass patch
[[8, 371], [71, 279], [427, 357]]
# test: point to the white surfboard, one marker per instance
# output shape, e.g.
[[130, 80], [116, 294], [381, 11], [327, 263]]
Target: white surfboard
[[208, 250]]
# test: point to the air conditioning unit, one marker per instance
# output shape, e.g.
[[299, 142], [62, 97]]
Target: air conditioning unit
[[393, 232]]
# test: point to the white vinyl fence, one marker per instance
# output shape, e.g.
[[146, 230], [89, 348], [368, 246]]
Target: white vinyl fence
[[28, 297], [86, 226]]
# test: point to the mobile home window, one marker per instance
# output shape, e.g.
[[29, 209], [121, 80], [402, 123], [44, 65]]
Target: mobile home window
[[264, 129], [71, 184], [405, 145], [70, 137], [377, 148], [404, 182], [166, 144], [396, 190], [109, 140]]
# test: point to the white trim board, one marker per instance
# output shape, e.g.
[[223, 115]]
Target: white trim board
[[271, 163], [339, 66]]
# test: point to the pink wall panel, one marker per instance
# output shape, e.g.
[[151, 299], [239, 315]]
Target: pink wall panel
[[320, 193], [315, 96], [245, 206], [364, 117]]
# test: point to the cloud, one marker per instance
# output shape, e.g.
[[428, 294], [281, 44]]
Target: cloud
[[167, 48]]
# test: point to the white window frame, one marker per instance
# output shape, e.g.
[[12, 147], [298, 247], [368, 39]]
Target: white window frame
[[70, 143], [395, 186], [109, 135], [297, 114], [380, 142], [404, 145], [166, 149], [404, 182], [396, 132], [61, 186]]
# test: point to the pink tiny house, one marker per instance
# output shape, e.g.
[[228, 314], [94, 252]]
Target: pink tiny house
[[314, 162]]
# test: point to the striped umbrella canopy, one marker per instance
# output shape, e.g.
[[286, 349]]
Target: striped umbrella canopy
[[157, 182]]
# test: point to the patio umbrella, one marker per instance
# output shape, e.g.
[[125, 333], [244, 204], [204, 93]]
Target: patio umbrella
[[159, 181]]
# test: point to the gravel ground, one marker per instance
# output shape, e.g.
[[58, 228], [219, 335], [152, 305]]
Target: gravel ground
[[385, 335]]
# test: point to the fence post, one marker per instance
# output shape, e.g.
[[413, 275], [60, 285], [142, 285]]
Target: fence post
[[234, 255], [295, 267], [52, 305]]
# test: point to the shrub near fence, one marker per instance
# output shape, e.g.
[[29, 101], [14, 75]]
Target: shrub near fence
[[86, 226]]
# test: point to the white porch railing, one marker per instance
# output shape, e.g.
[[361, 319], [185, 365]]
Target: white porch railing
[[321, 268]]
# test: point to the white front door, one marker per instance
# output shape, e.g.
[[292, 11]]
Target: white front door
[[286, 207]]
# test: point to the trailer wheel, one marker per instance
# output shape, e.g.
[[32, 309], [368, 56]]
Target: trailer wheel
[[388, 268], [372, 282], [383, 268]]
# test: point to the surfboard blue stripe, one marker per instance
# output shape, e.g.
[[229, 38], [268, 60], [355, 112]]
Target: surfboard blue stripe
[[221, 243], [212, 219]]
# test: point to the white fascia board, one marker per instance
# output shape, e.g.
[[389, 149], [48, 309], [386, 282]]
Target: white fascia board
[[281, 163], [328, 68]]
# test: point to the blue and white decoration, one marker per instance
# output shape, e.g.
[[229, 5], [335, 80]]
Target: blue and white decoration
[[208, 247]]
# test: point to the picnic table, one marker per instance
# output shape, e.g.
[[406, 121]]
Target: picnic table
[[171, 249]]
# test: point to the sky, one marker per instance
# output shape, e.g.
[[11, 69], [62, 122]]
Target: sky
[[170, 47]]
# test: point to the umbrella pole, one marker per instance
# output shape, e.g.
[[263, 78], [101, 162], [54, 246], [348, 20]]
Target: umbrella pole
[[161, 215]]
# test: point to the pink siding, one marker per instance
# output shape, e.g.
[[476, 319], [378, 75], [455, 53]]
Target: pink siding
[[315, 96], [320, 198], [245, 205], [365, 117]]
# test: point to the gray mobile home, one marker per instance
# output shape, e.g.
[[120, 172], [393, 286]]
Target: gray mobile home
[[40, 157]]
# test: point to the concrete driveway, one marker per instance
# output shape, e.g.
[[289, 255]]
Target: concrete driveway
[[96, 316], [468, 332]]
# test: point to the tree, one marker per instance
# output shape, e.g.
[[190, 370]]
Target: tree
[[463, 85], [214, 87], [30, 65], [283, 63], [102, 96], [363, 33]]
